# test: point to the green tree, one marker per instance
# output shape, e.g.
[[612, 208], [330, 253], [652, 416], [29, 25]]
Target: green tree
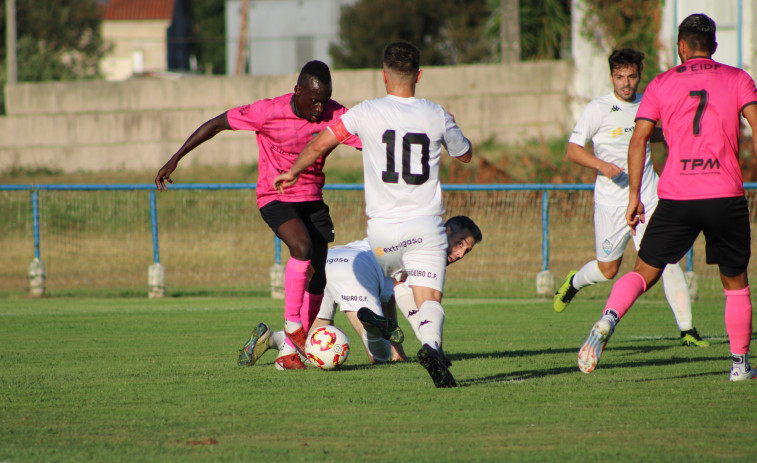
[[57, 40], [446, 31], [626, 24], [209, 29], [544, 28]]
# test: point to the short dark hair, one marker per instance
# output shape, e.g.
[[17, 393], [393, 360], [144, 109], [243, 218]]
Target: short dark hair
[[698, 31], [461, 223], [626, 57], [403, 58], [315, 70]]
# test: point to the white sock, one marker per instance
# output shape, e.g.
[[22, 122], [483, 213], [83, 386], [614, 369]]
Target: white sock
[[431, 323], [291, 327], [380, 348], [286, 349], [404, 300], [277, 339], [588, 275], [677, 293]]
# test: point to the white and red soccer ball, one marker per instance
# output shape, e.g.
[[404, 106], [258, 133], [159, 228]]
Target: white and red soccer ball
[[327, 347]]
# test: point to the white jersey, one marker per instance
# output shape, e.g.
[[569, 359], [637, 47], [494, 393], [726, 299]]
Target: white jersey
[[402, 140], [354, 280], [609, 122]]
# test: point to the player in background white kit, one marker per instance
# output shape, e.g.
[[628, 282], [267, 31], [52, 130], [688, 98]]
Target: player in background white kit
[[402, 139], [608, 121], [357, 284]]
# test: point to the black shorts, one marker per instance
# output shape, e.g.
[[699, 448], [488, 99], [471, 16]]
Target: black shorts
[[314, 214], [676, 224]]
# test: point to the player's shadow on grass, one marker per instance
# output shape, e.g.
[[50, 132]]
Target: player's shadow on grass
[[636, 348], [524, 375]]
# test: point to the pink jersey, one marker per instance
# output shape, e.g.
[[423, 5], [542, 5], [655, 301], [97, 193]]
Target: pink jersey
[[699, 103], [281, 137]]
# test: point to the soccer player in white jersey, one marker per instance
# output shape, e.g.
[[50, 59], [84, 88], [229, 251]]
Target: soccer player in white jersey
[[357, 284], [402, 139], [608, 121]]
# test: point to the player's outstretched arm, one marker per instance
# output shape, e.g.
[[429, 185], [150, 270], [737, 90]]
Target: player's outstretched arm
[[203, 133], [320, 144], [583, 157]]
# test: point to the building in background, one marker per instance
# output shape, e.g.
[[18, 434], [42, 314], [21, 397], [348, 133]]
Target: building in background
[[281, 35], [148, 36], [737, 45]]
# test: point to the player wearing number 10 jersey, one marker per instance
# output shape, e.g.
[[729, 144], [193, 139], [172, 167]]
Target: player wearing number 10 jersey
[[402, 138], [701, 188]]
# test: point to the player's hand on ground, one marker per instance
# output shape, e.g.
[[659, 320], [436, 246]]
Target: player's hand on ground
[[164, 175], [634, 214], [284, 180], [610, 170]]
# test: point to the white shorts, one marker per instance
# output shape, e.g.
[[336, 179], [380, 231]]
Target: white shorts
[[611, 231], [353, 280], [416, 248]]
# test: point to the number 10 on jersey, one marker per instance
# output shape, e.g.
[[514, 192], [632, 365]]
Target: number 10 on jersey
[[390, 175]]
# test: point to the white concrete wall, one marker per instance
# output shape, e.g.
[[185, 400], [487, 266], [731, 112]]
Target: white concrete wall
[[138, 124]]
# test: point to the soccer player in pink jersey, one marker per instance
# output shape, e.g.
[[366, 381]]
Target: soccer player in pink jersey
[[283, 126], [701, 188]]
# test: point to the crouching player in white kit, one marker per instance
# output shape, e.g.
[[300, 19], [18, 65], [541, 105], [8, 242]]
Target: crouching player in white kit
[[402, 138], [356, 283]]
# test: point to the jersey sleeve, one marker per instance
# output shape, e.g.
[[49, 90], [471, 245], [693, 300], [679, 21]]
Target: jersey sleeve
[[649, 108], [341, 133], [454, 140], [587, 125], [747, 92], [248, 117], [351, 120]]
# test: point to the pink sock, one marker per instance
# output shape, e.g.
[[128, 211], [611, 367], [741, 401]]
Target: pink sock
[[295, 281], [624, 293], [311, 305], [738, 319]]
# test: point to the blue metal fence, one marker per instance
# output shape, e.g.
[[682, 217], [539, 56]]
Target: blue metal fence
[[545, 190]]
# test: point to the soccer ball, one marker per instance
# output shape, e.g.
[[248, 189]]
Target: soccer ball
[[327, 348]]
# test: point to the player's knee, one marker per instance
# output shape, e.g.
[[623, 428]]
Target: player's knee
[[300, 249], [609, 269]]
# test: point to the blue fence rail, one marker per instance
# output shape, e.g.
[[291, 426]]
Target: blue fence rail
[[251, 186], [545, 190]]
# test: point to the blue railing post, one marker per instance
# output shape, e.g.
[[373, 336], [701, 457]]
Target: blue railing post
[[545, 230], [690, 260], [154, 223], [156, 274], [277, 249], [37, 274], [35, 219]]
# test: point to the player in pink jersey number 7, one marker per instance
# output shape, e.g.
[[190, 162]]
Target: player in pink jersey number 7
[[701, 188], [283, 126]]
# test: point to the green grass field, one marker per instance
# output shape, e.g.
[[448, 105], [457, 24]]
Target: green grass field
[[157, 380]]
